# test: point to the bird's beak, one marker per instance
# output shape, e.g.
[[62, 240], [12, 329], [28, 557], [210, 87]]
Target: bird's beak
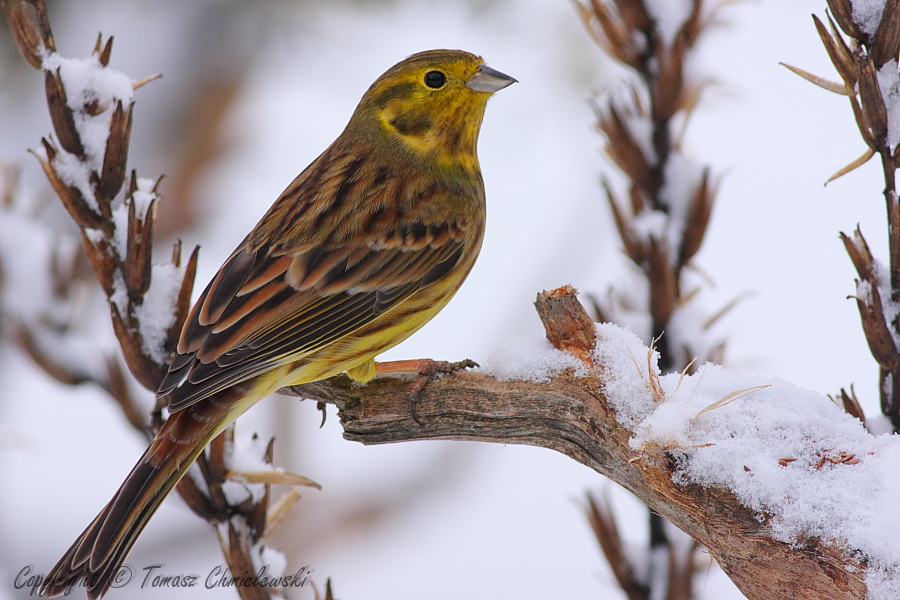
[[490, 80]]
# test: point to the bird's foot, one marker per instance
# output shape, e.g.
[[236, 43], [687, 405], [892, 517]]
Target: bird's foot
[[427, 370]]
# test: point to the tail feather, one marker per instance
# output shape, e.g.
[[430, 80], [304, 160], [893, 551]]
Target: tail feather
[[100, 551]]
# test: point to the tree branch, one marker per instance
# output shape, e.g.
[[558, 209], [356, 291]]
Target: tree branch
[[573, 415]]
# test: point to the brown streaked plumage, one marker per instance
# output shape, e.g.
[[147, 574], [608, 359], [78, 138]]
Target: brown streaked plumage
[[364, 247]]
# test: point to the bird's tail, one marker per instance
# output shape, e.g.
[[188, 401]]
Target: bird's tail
[[100, 551]]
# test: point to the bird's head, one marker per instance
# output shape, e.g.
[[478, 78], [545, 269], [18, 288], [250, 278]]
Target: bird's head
[[431, 105]]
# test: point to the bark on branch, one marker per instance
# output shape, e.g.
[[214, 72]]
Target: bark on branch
[[572, 415]]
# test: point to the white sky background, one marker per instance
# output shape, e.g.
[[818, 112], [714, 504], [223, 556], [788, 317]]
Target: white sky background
[[484, 520]]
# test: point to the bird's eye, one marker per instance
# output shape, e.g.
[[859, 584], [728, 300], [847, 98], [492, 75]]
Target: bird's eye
[[435, 79]]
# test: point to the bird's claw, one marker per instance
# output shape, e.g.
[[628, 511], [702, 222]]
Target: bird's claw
[[428, 370]]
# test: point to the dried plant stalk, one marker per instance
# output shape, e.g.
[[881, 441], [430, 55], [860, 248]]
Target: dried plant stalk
[[119, 251], [866, 66]]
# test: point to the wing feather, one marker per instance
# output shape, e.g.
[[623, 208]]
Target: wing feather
[[311, 273]]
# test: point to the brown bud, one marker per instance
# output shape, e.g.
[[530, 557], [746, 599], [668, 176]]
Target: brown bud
[[863, 126], [860, 255], [886, 45], [872, 101], [622, 147], [669, 89], [610, 32], [102, 259], [634, 14], [61, 115], [843, 14], [116, 385], [71, 197], [139, 248], [25, 31], [697, 220], [876, 329], [257, 516], [633, 246], [693, 26], [851, 404], [196, 500], [183, 301], [103, 54], [663, 283], [115, 157]]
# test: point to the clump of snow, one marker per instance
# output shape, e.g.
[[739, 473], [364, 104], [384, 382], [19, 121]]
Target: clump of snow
[[867, 14], [157, 313], [246, 455], [669, 16], [641, 129], [143, 195], [87, 81], [270, 561], [76, 174], [529, 359], [651, 223], [889, 82], [627, 365]]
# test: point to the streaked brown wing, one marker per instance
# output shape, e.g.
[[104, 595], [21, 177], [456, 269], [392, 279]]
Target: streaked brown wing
[[267, 308]]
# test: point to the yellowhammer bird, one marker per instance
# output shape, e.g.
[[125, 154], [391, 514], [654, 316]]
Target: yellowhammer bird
[[362, 249]]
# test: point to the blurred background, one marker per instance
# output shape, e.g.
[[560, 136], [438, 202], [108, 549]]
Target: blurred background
[[252, 92]]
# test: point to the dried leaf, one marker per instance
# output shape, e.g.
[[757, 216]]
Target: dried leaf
[[831, 86], [279, 511], [838, 52], [866, 156], [736, 395], [843, 14], [851, 404]]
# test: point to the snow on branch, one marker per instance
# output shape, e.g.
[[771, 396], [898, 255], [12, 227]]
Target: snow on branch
[[791, 495]]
